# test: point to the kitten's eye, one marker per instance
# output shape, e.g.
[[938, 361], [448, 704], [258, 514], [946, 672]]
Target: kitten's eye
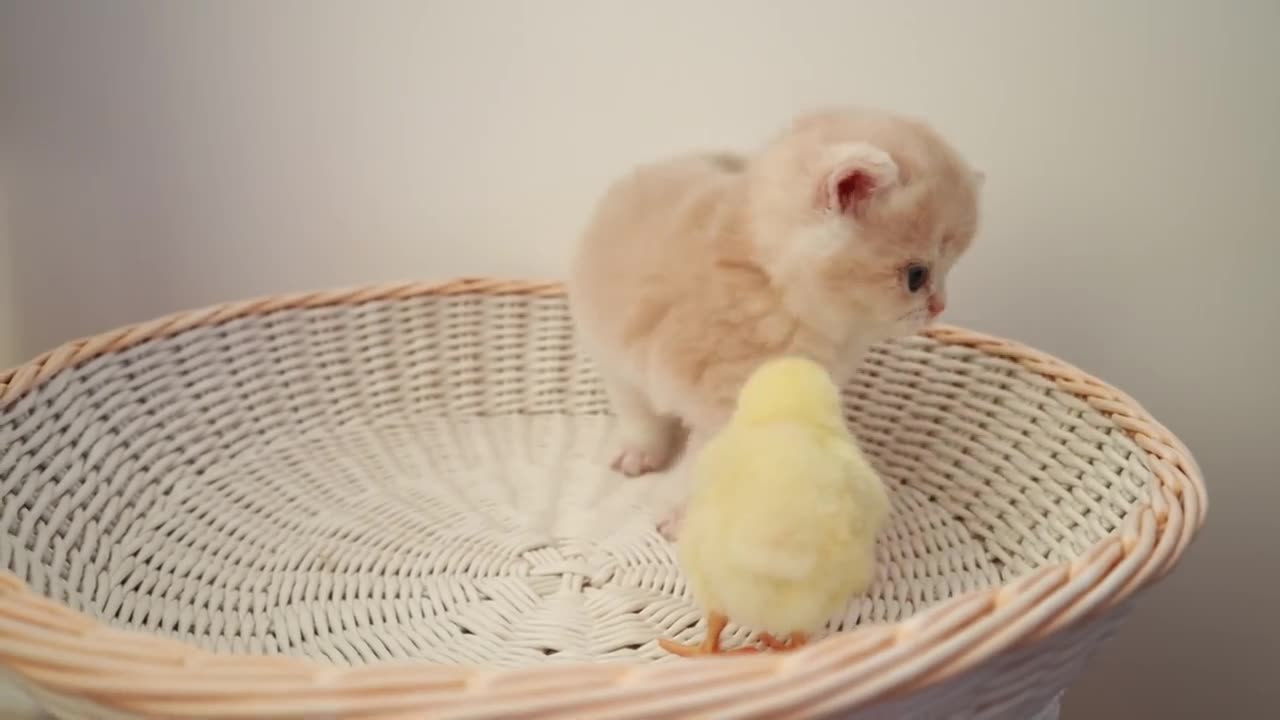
[[916, 276]]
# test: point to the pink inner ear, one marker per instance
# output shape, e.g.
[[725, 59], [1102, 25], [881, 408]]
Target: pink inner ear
[[853, 188]]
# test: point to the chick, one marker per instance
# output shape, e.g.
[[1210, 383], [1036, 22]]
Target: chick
[[780, 529]]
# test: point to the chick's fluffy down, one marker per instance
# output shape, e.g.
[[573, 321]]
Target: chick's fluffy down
[[779, 533]]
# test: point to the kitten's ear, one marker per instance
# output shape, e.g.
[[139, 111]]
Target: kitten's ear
[[859, 171]]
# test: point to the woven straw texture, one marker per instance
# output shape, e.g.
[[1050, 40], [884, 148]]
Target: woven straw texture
[[394, 502]]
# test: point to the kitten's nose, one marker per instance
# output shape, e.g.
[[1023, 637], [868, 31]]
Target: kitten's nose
[[937, 304]]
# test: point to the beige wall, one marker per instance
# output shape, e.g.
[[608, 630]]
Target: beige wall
[[10, 354], [167, 155]]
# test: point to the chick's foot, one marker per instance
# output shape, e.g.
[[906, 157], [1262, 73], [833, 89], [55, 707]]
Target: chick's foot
[[796, 640], [710, 644]]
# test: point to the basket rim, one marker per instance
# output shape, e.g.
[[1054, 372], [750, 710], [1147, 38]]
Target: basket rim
[[58, 650]]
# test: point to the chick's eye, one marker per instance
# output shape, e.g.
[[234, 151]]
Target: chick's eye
[[916, 276]]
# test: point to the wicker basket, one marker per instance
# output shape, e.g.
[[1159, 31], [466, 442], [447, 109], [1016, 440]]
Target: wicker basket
[[392, 503]]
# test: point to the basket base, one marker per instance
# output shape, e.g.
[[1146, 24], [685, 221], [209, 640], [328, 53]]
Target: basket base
[[1051, 711]]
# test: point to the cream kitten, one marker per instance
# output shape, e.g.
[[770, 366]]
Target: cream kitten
[[837, 235]]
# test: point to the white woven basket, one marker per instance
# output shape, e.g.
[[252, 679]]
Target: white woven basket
[[393, 502]]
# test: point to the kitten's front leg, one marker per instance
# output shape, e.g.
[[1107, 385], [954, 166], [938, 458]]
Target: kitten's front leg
[[648, 439], [706, 421]]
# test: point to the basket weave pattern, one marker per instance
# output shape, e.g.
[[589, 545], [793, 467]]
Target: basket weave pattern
[[392, 502]]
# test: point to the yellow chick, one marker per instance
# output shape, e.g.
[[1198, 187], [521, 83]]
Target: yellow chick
[[779, 532]]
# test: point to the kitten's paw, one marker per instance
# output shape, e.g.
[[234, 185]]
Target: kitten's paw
[[634, 461], [669, 525], [646, 447]]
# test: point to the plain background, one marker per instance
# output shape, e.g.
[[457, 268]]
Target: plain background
[[164, 155]]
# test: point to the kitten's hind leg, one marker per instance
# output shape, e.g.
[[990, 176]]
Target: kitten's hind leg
[[648, 440], [669, 525]]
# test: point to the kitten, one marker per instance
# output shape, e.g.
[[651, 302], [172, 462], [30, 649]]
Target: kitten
[[836, 235]]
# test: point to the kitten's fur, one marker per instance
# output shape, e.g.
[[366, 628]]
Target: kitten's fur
[[694, 270]]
